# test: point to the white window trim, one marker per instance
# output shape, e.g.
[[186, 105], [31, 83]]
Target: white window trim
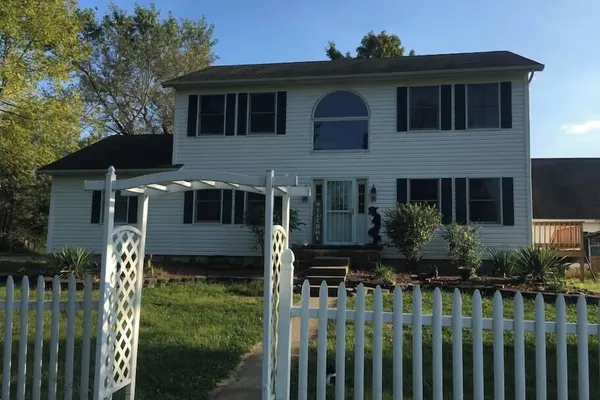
[[115, 221], [213, 222], [200, 115], [499, 127], [439, 121], [439, 191], [248, 115], [341, 119], [499, 223]]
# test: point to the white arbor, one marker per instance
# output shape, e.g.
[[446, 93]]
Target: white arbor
[[123, 262]]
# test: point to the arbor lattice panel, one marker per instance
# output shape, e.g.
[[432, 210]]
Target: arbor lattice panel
[[279, 240]]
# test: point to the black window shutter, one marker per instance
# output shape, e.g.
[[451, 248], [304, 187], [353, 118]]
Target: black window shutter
[[132, 211], [506, 105], [401, 191], [460, 110], [239, 207], [278, 205], [281, 112], [461, 200], [446, 94], [96, 206], [402, 109], [192, 115], [188, 207], [242, 113], [508, 202], [446, 201], [230, 120], [226, 206]]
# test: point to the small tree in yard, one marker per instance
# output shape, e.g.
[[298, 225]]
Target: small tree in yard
[[254, 219], [464, 248], [410, 227]]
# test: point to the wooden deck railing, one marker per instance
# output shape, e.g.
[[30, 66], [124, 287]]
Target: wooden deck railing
[[563, 235]]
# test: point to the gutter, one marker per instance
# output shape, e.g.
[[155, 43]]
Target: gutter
[[101, 171], [174, 83]]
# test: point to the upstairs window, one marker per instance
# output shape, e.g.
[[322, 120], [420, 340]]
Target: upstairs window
[[483, 105], [341, 122], [211, 119], [424, 104], [262, 113]]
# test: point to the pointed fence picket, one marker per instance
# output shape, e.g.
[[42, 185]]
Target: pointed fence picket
[[22, 375], [498, 324]]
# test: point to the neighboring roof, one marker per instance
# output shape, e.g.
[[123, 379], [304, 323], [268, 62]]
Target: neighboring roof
[[566, 188], [359, 67], [122, 152]]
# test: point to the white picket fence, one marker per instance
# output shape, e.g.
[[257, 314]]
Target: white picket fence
[[16, 315], [416, 320]]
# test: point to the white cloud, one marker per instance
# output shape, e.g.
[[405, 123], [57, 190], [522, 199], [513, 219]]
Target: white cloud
[[592, 125]]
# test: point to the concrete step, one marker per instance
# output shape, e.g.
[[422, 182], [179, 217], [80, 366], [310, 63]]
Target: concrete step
[[332, 291], [331, 261], [330, 280], [326, 271]]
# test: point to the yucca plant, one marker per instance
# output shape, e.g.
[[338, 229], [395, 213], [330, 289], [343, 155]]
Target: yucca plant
[[385, 273], [540, 263], [73, 260], [503, 262]]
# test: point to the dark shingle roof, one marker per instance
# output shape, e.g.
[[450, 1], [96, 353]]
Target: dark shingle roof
[[122, 152], [395, 65], [566, 188]]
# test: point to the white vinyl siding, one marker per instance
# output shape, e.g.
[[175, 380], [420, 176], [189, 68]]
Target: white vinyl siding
[[391, 155]]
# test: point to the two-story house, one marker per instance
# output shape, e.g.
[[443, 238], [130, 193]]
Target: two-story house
[[451, 130]]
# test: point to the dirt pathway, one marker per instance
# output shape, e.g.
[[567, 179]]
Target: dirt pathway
[[244, 382]]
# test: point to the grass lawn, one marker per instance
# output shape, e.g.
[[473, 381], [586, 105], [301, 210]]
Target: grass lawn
[[191, 336], [447, 353]]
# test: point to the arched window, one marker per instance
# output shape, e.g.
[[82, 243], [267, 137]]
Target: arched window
[[341, 122]]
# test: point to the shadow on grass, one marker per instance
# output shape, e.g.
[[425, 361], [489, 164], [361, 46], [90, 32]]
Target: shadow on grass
[[406, 375]]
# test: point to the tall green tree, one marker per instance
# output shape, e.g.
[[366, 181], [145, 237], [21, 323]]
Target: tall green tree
[[372, 45], [131, 55], [40, 114]]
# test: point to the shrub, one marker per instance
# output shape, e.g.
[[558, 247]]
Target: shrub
[[385, 273], [503, 262], [541, 263], [410, 227], [254, 219], [464, 247], [76, 261]]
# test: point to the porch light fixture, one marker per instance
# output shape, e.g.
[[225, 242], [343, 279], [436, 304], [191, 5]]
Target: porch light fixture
[[373, 194]]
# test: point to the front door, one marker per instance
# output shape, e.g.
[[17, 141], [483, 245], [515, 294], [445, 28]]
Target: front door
[[339, 198]]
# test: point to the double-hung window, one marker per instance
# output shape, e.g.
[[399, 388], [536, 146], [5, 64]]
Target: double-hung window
[[483, 105], [485, 196], [262, 113], [208, 205], [425, 191], [424, 107], [212, 115]]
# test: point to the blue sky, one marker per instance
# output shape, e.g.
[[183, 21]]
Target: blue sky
[[565, 97]]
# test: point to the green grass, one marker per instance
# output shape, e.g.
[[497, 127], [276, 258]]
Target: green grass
[[447, 353], [191, 336]]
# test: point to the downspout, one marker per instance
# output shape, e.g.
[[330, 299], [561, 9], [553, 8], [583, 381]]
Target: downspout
[[532, 72]]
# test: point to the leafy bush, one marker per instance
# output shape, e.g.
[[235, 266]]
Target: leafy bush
[[541, 263], [503, 262], [464, 247], [254, 219], [385, 273], [75, 261], [410, 227]]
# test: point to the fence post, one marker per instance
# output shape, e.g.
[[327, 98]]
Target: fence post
[[286, 295]]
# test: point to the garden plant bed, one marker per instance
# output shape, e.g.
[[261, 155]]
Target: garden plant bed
[[487, 285]]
